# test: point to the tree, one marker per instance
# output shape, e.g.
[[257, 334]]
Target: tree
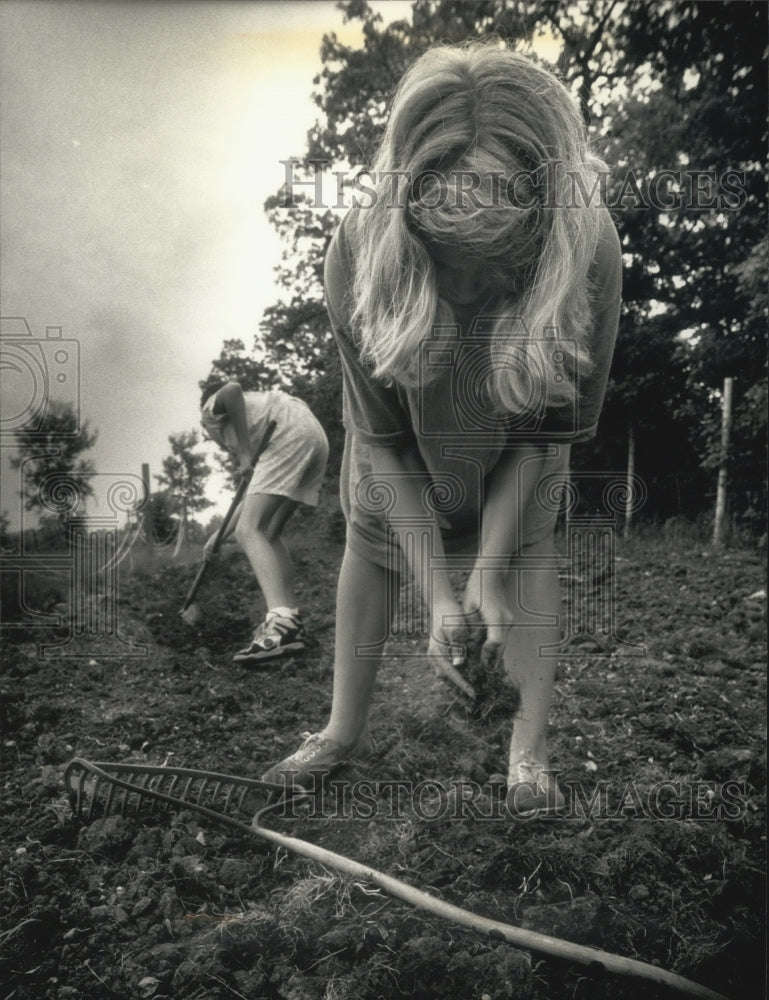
[[56, 479], [5, 531], [184, 477], [165, 526], [699, 267], [253, 373]]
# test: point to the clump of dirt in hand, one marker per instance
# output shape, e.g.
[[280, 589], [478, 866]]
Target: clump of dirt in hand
[[495, 694]]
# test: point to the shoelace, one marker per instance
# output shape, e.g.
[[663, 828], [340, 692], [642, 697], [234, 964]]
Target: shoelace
[[525, 771], [269, 624], [258, 632], [313, 742]]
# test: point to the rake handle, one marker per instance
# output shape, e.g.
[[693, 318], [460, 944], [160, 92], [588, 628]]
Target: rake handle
[[245, 479]]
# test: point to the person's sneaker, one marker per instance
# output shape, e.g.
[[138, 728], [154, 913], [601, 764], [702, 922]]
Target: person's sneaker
[[276, 636], [318, 757], [532, 789]]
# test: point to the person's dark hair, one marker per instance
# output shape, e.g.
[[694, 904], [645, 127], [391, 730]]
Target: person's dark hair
[[209, 386]]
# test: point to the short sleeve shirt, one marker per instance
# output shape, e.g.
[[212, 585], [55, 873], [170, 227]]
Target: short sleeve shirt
[[294, 463], [458, 439], [382, 414]]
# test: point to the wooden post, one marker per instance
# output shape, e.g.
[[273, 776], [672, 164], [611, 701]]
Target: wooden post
[[181, 535], [147, 522], [726, 426], [630, 473]]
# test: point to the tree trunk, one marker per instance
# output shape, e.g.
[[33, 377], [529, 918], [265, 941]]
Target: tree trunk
[[629, 478], [726, 426], [181, 535]]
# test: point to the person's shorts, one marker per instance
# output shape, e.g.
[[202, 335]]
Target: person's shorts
[[369, 535], [294, 463]]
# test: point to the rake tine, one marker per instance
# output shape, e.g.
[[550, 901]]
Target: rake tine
[[241, 797], [227, 793], [117, 783], [110, 796], [91, 802], [76, 800]]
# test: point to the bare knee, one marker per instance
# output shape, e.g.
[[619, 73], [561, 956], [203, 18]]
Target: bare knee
[[260, 529], [246, 531]]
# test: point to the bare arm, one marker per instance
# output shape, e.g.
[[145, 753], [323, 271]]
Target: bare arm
[[510, 488], [230, 400], [405, 473]]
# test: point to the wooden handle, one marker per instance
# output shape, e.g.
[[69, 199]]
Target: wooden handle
[[239, 493]]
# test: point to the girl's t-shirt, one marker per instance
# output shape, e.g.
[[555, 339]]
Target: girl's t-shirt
[[294, 463], [261, 407], [447, 411], [459, 440]]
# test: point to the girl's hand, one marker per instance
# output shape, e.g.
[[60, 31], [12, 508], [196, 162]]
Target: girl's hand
[[245, 468], [447, 648], [488, 608]]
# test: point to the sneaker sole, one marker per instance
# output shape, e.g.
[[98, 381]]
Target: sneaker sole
[[538, 812], [540, 806], [269, 654]]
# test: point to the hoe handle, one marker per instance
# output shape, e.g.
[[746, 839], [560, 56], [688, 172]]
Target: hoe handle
[[245, 479]]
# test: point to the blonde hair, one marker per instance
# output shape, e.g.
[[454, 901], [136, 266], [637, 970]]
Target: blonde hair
[[480, 111]]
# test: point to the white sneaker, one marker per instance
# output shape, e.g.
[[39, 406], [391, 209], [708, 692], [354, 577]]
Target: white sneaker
[[276, 636], [318, 755], [532, 788]]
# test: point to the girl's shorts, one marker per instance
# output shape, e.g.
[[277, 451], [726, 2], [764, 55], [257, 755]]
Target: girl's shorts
[[294, 463], [369, 535]]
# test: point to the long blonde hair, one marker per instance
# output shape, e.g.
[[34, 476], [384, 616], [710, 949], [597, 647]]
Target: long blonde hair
[[482, 111]]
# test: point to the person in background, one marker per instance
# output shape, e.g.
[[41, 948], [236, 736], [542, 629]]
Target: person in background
[[289, 472]]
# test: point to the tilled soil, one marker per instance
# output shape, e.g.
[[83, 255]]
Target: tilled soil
[[658, 731]]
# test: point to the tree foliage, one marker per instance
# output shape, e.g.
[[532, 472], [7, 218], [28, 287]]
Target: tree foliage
[[56, 479], [694, 312], [160, 512], [184, 475]]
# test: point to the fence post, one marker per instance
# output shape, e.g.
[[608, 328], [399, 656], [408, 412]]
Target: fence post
[[147, 521], [630, 474], [726, 426]]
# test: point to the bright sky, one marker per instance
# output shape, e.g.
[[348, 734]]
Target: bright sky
[[138, 142]]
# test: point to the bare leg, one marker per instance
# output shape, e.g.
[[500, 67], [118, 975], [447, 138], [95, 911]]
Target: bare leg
[[258, 532], [365, 605], [366, 597], [532, 592]]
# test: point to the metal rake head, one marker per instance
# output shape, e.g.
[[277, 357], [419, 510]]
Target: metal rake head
[[100, 789]]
